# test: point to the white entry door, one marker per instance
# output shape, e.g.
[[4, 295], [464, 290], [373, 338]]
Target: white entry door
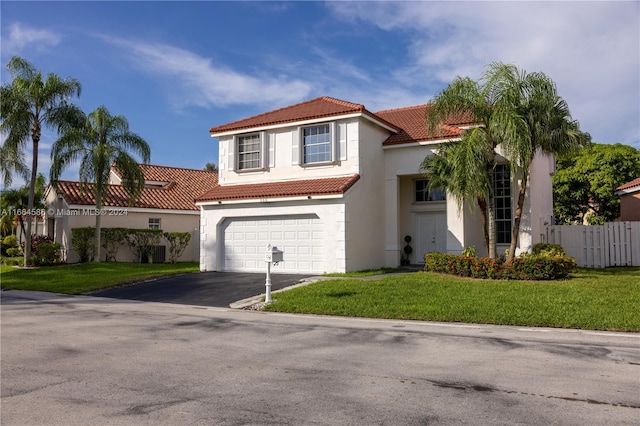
[[431, 234], [300, 237]]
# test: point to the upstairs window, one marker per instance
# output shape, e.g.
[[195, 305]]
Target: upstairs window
[[423, 194], [249, 152], [502, 197], [316, 144]]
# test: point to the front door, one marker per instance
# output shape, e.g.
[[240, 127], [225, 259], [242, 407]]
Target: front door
[[432, 234]]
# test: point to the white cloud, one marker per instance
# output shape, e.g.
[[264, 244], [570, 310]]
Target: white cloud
[[590, 49], [21, 37], [195, 80]]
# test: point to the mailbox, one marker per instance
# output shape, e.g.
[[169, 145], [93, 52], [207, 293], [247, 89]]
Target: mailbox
[[273, 255]]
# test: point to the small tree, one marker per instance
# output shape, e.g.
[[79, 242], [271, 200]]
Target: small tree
[[177, 243], [111, 240], [142, 242]]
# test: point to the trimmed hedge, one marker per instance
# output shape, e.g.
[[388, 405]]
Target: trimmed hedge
[[541, 266]]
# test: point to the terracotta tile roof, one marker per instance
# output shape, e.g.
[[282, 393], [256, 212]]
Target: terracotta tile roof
[[183, 188], [316, 108], [296, 188], [412, 122], [629, 185]]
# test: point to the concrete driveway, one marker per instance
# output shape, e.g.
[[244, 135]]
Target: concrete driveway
[[218, 289]]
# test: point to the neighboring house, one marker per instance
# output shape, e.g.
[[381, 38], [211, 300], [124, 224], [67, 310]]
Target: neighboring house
[[629, 194], [338, 188], [166, 202]]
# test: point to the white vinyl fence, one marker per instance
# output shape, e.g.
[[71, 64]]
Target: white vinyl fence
[[599, 246]]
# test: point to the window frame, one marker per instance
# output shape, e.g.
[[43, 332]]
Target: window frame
[[427, 193], [331, 144], [260, 151], [153, 226]]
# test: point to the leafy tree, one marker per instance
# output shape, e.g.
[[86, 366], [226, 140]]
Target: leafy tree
[[104, 139], [212, 167], [584, 184], [28, 104]]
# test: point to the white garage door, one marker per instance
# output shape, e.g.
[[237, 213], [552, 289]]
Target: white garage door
[[301, 238]]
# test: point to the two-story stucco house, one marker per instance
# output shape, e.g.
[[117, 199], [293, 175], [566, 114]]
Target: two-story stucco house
[[338, 188]]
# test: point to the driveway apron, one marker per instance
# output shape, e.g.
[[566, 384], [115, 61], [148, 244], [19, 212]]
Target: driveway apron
[[218, 289]]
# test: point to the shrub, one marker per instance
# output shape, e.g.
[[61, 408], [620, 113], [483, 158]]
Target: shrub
[[46, 254], [111, 239], [546, 249], [470, 252], [142, 242], [36, 240], [14, 251], [82, 240], [177, 243], [526, 267], [13, 261]]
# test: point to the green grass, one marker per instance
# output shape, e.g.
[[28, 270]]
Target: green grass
[[86, 277], [593, 299], [365, 273]]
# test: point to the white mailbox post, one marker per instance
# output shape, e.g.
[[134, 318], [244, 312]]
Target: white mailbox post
[[273, 255]]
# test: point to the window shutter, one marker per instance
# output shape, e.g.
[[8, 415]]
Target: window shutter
[[342, 138], [272, 149], [231, 149], [295, 147]]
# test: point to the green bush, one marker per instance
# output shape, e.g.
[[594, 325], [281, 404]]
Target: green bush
[[14, 252], [546, 249], [82, 240], [13, 261], [142, 242], [111, 239], [177, 243], [526, 267], [46, 254]]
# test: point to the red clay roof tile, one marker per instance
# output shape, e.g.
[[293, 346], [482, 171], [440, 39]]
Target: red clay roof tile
[[295, 188], [629, 185], [183, 188], [315, 108], [412, 122]]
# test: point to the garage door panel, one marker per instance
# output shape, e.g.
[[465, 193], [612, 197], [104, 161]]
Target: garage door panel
[[300, 237]]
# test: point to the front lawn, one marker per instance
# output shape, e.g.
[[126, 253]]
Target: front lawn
[[85, 277], [594, 299]]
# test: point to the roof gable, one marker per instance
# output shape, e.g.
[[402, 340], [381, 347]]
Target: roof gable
[[182, 188], [309, 110]]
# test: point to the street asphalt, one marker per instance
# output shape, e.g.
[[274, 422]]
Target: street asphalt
[[81, 360], [218, 289]]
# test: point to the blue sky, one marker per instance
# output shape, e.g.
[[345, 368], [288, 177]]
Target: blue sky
[[175, 69]]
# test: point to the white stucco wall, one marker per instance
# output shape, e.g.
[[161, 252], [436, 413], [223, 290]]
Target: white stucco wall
[[279, 156]]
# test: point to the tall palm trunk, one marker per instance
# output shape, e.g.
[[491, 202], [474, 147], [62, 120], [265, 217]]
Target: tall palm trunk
[[96, 257], [482, 205], [35, 137], [515, 232]]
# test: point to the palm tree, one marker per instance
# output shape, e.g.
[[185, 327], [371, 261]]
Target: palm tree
[[28, 104], [104, 140], [12, 160], [494, 123], [548, 127]]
